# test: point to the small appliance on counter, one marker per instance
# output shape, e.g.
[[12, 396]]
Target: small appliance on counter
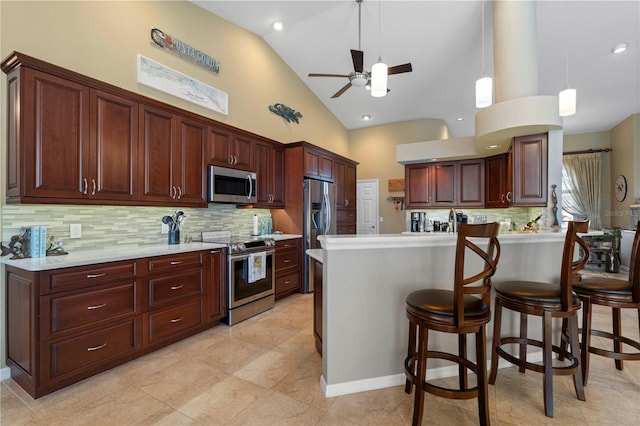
[[419, 222]]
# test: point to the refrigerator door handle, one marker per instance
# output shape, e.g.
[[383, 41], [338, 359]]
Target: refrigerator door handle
[[327, 210]]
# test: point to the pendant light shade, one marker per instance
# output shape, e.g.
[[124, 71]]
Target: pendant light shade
[[379, 79], [484, 85], [484, 92], [567, 102]]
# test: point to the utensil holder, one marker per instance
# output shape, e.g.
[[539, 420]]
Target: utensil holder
[[174, 236]]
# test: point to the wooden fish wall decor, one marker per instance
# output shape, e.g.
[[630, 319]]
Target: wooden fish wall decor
[[286, 112]]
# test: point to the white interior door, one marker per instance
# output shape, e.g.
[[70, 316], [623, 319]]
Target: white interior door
[[367, 206]]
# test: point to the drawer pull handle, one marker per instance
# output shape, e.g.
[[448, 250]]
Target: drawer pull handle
[[177, 287], [176, 262], [102, 305], [95, 348], [287, 261], [173, 321], [96, 275], [287, 282]]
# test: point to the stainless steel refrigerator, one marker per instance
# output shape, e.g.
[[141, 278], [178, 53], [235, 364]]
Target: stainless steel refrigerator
[[319, 218]]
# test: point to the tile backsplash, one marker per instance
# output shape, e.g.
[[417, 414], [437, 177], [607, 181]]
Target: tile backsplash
[[104, 226], [518, 215]]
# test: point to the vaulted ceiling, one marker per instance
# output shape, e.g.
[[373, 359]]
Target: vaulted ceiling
[[443, 42]]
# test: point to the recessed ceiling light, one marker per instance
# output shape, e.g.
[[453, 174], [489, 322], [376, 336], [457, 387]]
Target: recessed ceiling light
[[366, 117], [278, 26], [492, 147], [619, 48], [459, 119]]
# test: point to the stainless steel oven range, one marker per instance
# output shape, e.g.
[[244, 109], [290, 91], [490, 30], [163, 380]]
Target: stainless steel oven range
[[250, 277]]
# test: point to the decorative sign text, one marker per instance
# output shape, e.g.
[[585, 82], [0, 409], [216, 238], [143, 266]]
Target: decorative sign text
[[165, 41]]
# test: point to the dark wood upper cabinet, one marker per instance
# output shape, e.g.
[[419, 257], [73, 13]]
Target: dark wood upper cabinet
[[418, 185], [269, 164], [496, 176], [55, 145], [318, 165], [156, 143], [189, 172], [530, 170], [113, 160], [228, 149], [445, 184]]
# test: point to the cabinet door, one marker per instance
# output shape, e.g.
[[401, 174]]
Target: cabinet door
[[350, 186], [243, 153], [56, 139], [339, 170], [444, 184], [470, 183], [114, 142], [188, 175], [263, 190], [530, 170], [277, 176], [496, 181], [218, 285], [418, 185], [317, 165], [156, 144], [219, 147]]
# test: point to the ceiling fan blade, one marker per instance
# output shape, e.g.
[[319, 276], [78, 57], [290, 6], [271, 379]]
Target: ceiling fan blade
[[327, 75], [341, 91], [358, 60], [398, 69]]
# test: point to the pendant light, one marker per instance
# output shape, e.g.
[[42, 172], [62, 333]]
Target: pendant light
[[484, 85], [567, 97], [379, 70]]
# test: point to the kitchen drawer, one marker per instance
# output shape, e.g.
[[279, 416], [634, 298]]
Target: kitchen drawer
[[287, 282], [72, 355], [173, 321], [175, 261], [83, 276], [286, 259], [287, 244], [346, 229], [345, 216], [67, 311], [175, 286]]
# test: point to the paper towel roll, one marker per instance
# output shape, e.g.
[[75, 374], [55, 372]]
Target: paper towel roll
[[255, 225]]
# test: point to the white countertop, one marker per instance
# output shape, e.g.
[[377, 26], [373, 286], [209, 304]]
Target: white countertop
[[317, 254], [280, 237], [107, 254], [422, 239]]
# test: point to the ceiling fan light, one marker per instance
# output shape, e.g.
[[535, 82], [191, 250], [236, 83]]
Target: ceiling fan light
[[379, 73], [567, 102], [484, 92]]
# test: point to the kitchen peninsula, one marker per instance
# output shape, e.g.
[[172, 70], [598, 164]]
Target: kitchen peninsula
[[366, 279]]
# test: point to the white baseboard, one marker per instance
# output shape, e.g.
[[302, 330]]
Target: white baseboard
[[5, 373], [373, 383]]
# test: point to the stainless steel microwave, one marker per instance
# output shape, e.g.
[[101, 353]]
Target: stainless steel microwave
[[226, 185]]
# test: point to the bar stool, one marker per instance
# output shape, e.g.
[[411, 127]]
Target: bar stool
[[546, 300], [616, 294], [456, 311]]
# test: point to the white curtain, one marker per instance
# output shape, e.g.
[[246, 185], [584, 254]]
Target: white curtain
[[581, 176]]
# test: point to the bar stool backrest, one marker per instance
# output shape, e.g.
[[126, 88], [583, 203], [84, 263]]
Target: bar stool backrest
[[569, 266], [634, 267], [490, 256]]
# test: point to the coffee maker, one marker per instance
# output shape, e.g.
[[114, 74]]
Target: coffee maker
[[415, 221]]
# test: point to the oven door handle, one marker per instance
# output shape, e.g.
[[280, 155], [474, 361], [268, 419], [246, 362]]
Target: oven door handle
[[246, 256]]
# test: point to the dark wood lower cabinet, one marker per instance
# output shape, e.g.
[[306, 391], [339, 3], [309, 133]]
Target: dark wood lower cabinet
[[288, 268], [67, 324], [316, 273]]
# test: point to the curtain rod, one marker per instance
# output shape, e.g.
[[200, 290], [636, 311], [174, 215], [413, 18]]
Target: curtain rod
[[587, 151]]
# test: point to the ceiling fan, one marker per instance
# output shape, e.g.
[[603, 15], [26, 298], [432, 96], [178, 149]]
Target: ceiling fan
[[360, 77]]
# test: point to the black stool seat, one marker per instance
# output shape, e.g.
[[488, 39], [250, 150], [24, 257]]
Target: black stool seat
[[539, 293], [441, 302], [613, 289]]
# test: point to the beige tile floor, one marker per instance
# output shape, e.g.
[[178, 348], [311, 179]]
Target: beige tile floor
[[265, 371]]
